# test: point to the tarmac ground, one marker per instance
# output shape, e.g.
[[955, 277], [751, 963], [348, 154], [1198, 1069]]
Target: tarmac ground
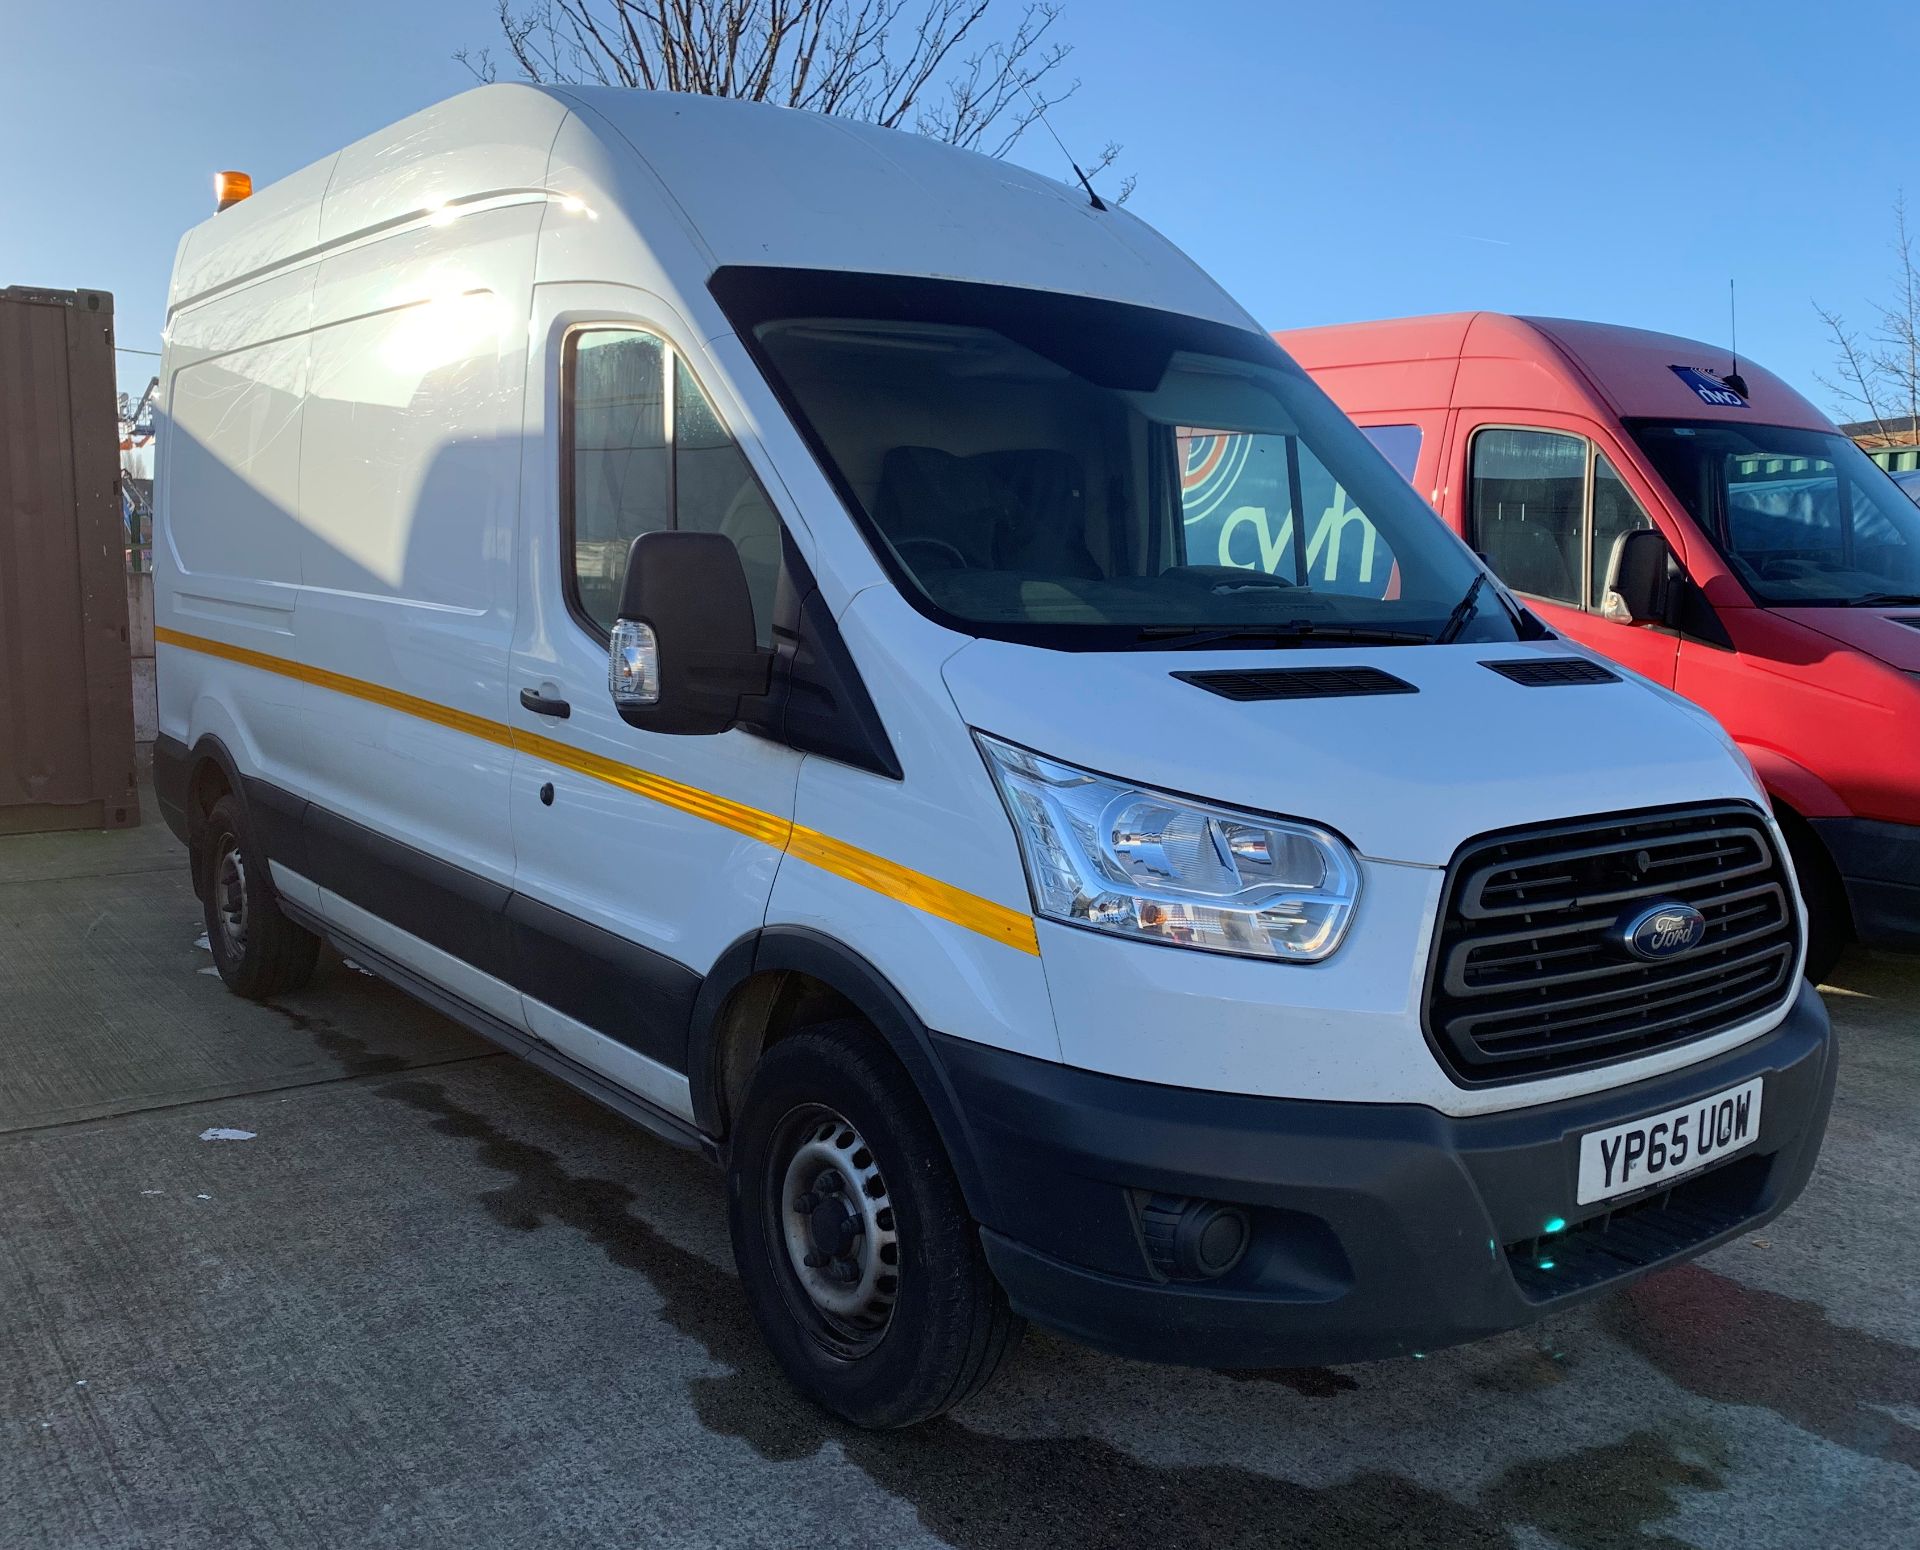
[[434, 1298]]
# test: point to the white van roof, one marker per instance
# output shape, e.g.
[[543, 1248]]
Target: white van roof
[[751, 183]]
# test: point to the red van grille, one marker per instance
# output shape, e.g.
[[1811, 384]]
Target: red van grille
[[1529, 976]]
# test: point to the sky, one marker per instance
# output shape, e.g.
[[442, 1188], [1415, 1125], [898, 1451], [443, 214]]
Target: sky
[[1608, 159]]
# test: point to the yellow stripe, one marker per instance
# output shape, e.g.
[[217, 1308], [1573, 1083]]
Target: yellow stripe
[[749, 821], [916, 889], [339, 683], [888, 878]]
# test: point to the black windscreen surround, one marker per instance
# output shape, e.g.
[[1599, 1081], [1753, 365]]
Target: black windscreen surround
[[1089, 475]]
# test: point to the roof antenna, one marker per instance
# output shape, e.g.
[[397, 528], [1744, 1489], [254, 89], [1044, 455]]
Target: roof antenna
[[1041, 113], [1733, 379]]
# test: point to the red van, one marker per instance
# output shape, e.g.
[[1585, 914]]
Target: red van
[[1713, 532]]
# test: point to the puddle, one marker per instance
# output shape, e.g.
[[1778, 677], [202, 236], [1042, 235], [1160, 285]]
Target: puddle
[[1738, 1345], [1527, 1373]]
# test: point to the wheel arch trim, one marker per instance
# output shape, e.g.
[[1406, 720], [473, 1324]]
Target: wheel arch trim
[[800, 950]]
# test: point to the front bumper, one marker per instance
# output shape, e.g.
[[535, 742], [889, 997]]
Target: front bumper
[[1377, 1229], [1879, 865]]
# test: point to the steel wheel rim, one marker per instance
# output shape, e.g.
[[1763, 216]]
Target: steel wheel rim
[[834, 1217], [230, 897]]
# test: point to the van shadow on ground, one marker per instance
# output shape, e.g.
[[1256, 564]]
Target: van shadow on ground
[[978, 1491]]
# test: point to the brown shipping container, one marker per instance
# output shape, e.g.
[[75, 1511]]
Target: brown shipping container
[[66, 699]]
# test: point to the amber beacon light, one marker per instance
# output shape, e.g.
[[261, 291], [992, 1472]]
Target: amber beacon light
[[229, 188]]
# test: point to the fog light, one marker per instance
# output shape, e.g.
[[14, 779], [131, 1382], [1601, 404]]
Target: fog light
[[1193, 1240]]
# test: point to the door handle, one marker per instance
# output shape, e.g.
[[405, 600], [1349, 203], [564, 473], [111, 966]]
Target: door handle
[[543, 705]]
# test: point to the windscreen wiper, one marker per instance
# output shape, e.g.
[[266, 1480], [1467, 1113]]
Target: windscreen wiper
[[1463, 612], [1877, 599], [1177, 637]]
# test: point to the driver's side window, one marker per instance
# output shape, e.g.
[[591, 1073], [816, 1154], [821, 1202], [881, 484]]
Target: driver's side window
[[1548, 509], [645, 452]]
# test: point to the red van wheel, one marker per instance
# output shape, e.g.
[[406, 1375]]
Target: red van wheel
[[1829, 921]]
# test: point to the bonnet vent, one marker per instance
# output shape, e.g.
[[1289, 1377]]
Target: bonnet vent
[[1299, 683], [1550, 672]]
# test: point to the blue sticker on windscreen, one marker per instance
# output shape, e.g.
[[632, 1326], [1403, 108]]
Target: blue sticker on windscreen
[[1711, 389]]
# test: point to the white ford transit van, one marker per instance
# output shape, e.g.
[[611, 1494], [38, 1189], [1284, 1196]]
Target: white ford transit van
[[724, 603]]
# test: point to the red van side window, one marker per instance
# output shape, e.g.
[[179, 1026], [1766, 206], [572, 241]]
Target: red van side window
[[1528, 494]]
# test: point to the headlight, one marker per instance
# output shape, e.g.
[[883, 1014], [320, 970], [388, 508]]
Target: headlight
[[1159, 868]]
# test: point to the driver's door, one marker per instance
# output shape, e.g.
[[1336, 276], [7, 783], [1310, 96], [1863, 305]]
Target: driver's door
[[640, 857], [1545, 505]]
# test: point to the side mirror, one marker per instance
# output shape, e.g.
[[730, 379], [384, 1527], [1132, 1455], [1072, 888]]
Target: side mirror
[[1640, 579], [683, 652]]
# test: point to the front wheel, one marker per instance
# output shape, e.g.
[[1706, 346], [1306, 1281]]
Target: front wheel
[[860, 1262]]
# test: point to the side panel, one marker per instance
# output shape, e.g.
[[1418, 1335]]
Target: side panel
[[974, 972], [409, 473], [226, 550], [1825, 724], [1373, 390], [483, 144]]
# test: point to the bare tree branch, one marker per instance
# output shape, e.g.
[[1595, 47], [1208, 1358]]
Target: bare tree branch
[[1859, 378], [928, 64], [1882, 373], [1898, 357]]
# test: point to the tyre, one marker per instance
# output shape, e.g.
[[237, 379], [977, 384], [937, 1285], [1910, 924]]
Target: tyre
[[860, 1263], [1829, 921], [258, 951]]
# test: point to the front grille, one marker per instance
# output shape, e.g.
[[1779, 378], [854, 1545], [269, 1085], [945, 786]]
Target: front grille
[[1527, 978]]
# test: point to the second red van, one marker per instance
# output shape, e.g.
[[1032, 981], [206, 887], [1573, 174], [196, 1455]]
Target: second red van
[[1703, 525]]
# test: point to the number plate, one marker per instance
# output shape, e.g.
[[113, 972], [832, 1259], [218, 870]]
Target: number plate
[[1662, 1147]]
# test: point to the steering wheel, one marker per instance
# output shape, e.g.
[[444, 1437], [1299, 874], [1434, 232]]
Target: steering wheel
[[926, 542]]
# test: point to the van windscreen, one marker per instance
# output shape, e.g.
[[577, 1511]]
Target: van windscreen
[[1805, 518], [1088, 475]]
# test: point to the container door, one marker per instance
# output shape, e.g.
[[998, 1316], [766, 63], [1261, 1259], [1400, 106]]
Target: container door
[[641, 856], [66, 710]]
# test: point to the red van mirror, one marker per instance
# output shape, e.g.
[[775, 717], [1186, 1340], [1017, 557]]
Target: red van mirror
[[1640, 579]]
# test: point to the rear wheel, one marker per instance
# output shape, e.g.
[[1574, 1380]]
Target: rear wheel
[[861, 1264], [258, 951]]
